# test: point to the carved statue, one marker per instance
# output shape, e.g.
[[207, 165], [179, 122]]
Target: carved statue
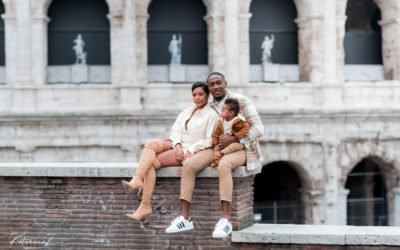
[[267, 46], [78, 48], [175, 48]]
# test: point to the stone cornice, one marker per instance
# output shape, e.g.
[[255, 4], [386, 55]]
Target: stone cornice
[[96, 170]]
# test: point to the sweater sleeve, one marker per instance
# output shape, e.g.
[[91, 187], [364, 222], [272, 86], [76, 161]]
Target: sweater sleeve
[[242, 129], [254, 121], [208, 133], [218, 131], [176, 130]]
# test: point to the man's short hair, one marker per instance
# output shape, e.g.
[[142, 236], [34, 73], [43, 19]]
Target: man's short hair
[[216, 74], [233, 105]]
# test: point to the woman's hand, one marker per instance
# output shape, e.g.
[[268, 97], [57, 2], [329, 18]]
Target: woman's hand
[[187, 156], [179, 153]]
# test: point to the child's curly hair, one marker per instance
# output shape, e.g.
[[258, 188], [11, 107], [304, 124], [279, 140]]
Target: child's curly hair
[[233, 105]]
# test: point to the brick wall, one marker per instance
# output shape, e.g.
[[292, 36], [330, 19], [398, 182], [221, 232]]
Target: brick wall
[[81, 213]]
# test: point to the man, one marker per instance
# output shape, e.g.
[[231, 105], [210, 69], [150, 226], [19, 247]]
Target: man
[[251, 156]]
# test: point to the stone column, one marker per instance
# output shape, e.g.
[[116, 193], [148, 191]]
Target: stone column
[[215, 37], [317, 40], [313, 201], [231, 31], [24, 43], [39, 49], [390, 12], [123, 43], [310, 21], [24, 99], [142, 17], [396, 203], [329, 41], [331, 180], [10, 26], [124, 52], [340, 32], [342, 206], [244, 40]]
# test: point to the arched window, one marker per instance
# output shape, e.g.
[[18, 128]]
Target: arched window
[[274, 18], [276, 195], [362, 41], [73, 17], [180, 17], [366, 202]]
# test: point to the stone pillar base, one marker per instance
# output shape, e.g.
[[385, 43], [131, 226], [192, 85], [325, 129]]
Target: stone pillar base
[[177, 73], [270, 72], [80, 73]]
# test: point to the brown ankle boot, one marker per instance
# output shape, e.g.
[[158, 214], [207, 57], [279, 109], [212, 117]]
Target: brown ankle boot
[[135, 183], [149, 181], [142, 211]]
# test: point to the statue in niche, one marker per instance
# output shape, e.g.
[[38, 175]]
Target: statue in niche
[[78, 48], [175, 48], [267, 46]]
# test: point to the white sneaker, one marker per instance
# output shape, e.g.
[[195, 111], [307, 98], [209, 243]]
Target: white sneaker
[[222, 229], [179, 224]]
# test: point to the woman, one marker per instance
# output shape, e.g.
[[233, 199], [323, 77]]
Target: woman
[[191, 132]]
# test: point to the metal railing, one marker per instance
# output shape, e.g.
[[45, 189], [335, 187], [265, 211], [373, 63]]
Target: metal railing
[[279, 212], [367, 212]]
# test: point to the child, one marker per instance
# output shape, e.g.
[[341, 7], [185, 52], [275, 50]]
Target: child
[[231, 123]]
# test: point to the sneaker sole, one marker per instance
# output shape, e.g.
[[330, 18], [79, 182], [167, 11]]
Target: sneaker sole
[[181, 230], [221, 236]]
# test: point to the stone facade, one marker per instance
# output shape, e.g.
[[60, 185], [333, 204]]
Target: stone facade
[[321, 125]]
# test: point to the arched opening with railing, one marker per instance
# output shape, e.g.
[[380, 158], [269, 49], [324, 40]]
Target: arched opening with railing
[[273, 39], [277, 197]]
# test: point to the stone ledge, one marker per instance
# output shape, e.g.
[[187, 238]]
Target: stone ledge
[[318, 234], [100, 170]]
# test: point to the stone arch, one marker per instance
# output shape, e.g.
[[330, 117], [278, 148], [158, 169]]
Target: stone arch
[[353, 153], [276, 18], [390, 11], [299, 155], [188, 23], [40, 7], [390, 173], [9, 7], [60, 31], [279, 185], [116, 7], [362, 33], [305, 179]]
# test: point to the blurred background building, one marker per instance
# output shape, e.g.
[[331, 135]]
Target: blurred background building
[[329, 93]]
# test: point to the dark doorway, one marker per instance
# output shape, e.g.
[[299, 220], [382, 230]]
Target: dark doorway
[[276, 195], [363, 41], [366, 202], [73, 17], [271, 17], [183, 17]]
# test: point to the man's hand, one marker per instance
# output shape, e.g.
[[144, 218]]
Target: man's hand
[[187, 156], [179, 152], [225, 140]]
